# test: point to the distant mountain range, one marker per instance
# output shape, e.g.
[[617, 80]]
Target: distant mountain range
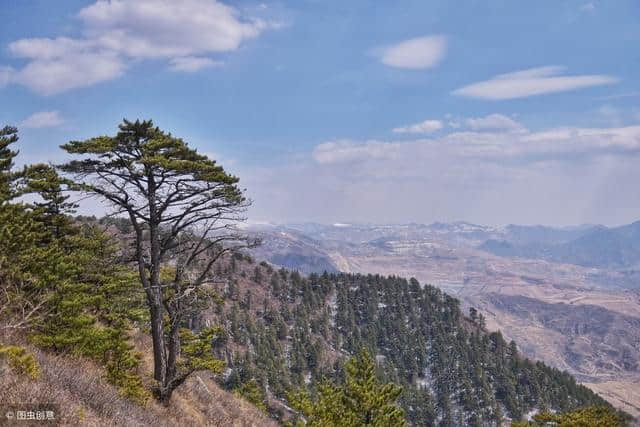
[[306, 246], [589, 246]]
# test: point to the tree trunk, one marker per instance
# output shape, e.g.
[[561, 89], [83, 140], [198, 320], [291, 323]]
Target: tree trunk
[[174, 351], [157, 334], [156, 305], [163, 394], [164, 391]]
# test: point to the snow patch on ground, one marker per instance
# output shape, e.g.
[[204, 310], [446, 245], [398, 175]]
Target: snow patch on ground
[[529, 415]]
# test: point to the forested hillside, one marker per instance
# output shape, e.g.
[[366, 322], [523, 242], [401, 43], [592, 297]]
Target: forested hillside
[[286, 331]]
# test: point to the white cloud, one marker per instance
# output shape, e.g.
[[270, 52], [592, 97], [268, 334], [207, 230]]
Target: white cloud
[[530, 82], [116, 33], [43, 119], [417, 53], [494, 122], [428, 126], [51, 76], [167, 28], [191, 64]]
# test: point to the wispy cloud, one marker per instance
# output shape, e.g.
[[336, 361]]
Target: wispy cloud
[[531, 82], [621, 95], [588, 7], [191, 64], [345, 150], [427, 126], [416, 53], [43, 119], [612, 115], [494, 122], [116, 33]]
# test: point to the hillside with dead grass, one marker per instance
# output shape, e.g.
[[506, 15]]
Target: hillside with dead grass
[[77, 387]]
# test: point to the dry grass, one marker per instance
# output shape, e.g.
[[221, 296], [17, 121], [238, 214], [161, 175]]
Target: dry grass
[[76, 386]]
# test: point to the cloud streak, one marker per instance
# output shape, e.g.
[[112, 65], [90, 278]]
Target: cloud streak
[[531, 82]]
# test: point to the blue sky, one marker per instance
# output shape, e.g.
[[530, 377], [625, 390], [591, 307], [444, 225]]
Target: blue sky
[[493, 112]]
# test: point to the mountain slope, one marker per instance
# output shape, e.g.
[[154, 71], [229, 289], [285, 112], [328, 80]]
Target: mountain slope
[[598, 344], [287, 331], [292, 249]]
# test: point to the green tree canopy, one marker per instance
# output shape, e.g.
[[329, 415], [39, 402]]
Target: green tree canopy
[[362, 401], [591, 416]]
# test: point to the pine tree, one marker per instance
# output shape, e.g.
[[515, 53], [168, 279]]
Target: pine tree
[[8, 136], [252, 391], [362, 401], [167, 190], [54, 207], [27, 264]]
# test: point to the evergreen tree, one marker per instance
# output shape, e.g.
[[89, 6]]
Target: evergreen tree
[[54, 206], [252, 391], [8, 136], [167, 190], [362, 401]]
